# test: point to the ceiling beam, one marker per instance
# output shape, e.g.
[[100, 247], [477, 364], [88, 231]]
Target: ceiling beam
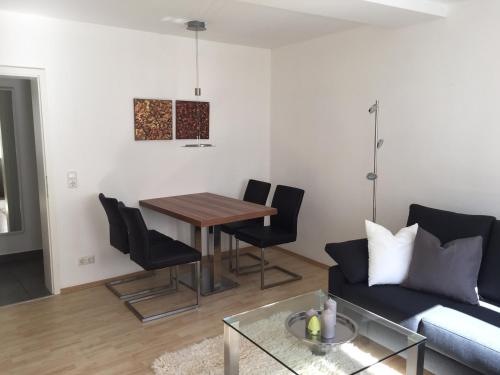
[[431, 8], [385, 13]]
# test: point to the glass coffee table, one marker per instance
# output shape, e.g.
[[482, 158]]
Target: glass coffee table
[[378, 344]]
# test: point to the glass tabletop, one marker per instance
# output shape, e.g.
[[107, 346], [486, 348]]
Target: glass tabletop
[[377, 339]]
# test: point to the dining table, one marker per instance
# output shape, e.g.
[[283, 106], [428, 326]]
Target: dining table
[[206, 212]]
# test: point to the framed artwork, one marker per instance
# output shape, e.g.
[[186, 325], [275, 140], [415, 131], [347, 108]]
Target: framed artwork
[[188, 114], [152, 119]]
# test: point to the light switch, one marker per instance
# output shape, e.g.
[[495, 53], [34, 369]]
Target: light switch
[[72, 180]]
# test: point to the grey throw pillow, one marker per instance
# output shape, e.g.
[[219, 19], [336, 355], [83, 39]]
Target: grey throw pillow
[[450, 270]]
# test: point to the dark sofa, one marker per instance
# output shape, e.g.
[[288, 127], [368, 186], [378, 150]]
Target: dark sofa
[[461, 338]]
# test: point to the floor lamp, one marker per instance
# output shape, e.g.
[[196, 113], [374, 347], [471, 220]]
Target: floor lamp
[[377, 143]]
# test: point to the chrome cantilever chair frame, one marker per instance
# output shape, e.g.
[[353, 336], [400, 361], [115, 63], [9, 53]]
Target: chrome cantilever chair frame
[[236, 267], [111, 285], [293, 276], [163, 291]]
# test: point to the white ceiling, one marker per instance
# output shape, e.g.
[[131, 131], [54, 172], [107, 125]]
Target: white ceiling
[[259, 23]]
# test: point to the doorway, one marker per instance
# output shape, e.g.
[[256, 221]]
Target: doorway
[[24, 256]]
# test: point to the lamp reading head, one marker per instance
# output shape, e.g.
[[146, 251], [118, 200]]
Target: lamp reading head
[[373, 108]]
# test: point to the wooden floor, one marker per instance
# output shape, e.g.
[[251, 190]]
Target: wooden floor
[[90, 331]]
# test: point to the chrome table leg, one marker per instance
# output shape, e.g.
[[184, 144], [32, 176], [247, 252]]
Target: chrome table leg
[[237, 256], [215, 258], [262, 267], [231, 351], [212, 280], [230, 253], [215, 282], [415, 358]]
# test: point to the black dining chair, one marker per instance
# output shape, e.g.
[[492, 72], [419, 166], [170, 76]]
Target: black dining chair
[[154, 253], [255, 192], [118, 238], [283, 229]]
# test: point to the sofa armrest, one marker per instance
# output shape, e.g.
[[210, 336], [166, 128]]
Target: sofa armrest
[[336, 281], [352, 258]]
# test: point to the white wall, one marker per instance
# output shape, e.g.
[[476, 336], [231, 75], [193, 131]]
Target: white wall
[[92, 75], [439, 87]]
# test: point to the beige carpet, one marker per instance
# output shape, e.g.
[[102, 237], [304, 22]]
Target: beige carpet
[[207, 357]]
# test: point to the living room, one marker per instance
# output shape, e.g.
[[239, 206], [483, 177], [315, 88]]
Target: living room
[[289, 86]]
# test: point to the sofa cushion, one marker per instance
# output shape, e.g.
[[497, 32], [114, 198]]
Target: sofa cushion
[[449, 226], [450, 270], [352, 258], [389, 255], [407, 307], [336, 280], [462, 337], [489, 274]]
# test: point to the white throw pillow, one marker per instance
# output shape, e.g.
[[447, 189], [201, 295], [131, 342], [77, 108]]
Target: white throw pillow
[[389, 255]]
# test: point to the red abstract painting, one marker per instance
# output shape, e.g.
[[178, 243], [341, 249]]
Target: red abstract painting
[[192, 118]]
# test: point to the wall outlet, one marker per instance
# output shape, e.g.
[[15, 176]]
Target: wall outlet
[[72, 179], [83, 261]]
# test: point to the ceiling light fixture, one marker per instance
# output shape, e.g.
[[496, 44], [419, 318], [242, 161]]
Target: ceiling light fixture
[[197, 26]]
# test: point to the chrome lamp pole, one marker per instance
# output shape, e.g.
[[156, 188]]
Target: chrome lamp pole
[[197, 26], [377, 143]]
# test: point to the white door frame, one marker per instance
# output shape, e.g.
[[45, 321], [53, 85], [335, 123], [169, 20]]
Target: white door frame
[[39, 99]]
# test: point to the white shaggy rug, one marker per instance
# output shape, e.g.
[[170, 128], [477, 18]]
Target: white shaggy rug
[[207, 357]]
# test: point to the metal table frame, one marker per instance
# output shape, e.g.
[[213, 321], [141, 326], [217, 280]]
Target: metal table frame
[[212, 281], [414, 359], [372, 326]]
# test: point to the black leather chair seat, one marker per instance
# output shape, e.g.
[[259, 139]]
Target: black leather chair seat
[[263, 237], [171, 253], [231, 228]]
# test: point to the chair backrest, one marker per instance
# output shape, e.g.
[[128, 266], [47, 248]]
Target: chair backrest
[[137, 234], [287, 200], [257, 191], [118, 236]]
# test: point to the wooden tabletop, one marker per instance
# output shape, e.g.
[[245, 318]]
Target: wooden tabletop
[[207, 209]]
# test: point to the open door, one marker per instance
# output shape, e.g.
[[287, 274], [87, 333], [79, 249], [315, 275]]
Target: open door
[[24, 207], [42, 186]]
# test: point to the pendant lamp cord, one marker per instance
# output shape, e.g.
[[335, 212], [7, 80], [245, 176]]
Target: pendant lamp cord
[[197, 91]]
